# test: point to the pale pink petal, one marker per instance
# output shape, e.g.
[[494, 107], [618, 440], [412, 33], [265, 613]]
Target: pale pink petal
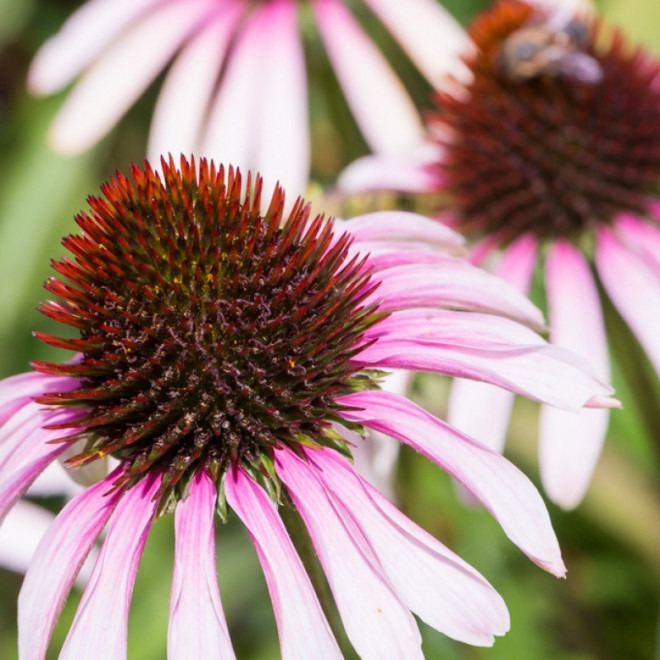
[[404, 173], [634, 288], [303, 629], [483, 347], [642, 236], [382, 108], [82, 38], [569, 444], [100, 627], [517, 263], [455, 285], [197, 626], [481, 411], [505, 491], [429, 34], [376, 455], [56, 562], [444, 591], [20, 533], [401, 226], [376, 622], [17, 391], [230, 127], [186, 93], [109, 88], [283, 147]]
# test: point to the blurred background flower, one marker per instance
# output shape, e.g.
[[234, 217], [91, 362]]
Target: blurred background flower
[[608, 606]]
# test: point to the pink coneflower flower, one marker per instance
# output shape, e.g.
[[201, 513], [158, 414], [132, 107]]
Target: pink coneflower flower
[[550, 151], [236, 85], [224, 358]]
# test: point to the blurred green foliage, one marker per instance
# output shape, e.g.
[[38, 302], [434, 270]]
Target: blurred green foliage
[[607, 608]]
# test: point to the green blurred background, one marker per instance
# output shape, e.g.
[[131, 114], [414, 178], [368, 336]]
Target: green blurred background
[[608, 605]]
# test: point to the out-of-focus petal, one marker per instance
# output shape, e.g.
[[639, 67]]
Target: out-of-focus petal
[[109, 88], [55, 564], [83, 37], [404, 173], [642, 236], [53, 481], [480, 410], [634, 288], [505, 491], [283, 146], [100, 627], [197, 626], [232, 120], [376, 622], [429, 34], [303, 629], [380, 104], [570, 444], [186, 93], [432, 581]]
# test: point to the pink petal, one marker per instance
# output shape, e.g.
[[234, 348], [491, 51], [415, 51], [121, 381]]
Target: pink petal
[[109, 88], [404, 173], [634, 288], [432, 581], [376, 622], [55, 564], [570, 444], [81, 39], [283, 145], [303, 629], [481, 411], [197, 626], [486, 348], [429, 34], [368, 82], [517, 264], [505, 491], [401, 226], [641, 236], [186, 94], [100, 627], [456, 285]]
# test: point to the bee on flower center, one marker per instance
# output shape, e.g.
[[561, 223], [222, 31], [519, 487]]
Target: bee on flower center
[[554, 47]]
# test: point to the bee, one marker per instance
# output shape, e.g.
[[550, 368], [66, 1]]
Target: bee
[[554, 47]]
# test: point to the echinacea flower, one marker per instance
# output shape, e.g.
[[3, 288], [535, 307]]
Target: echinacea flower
[[237, 84], [550, 152], [226, 359]]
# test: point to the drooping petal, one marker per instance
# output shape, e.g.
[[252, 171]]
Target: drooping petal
[[456, 285], [105, 92], [82, 38], [283, 146], [382, 108], [505, 491], [54, 567], [429, 34], [486, 348], [634, 288], [569, 443], [100, 627], [443, 590], [641, 236], [197, 626], [376, 622], [178, 117], [303, 629]]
